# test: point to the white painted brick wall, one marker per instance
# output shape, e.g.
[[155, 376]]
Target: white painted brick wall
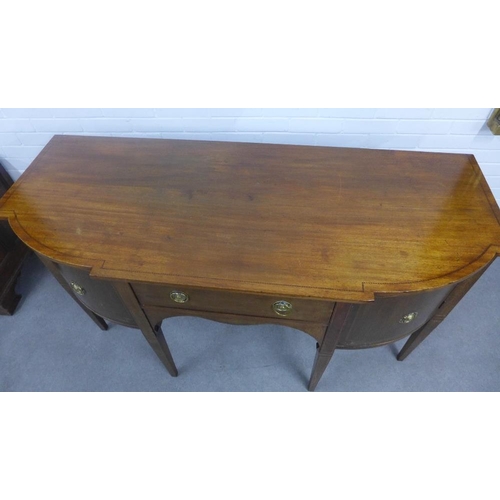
[[24, 132]]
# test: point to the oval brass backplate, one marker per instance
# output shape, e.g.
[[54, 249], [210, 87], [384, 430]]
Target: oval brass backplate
[[408, 318], [179, 297], [77, 288], [282, 308]]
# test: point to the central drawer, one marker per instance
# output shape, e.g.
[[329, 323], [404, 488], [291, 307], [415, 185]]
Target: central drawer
[[318, 311]]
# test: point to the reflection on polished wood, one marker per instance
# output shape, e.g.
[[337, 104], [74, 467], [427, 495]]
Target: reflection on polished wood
[[241, 227]]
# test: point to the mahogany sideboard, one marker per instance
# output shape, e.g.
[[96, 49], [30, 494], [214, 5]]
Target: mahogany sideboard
[[355, 247]]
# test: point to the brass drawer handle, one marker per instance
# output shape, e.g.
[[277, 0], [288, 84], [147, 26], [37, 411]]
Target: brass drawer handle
[[179, 297], [77, 288], [282, 308], [408, 318]]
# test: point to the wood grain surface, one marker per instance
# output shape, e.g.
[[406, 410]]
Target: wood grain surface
[[317, 222]]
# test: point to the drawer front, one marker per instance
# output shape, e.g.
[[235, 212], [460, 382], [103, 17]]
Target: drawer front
[[317, 311], [99, 296], [388, 319]]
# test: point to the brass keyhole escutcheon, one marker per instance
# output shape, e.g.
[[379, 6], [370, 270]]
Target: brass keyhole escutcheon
[[179, 297], [77, 288], [282, 308], [408, 318]]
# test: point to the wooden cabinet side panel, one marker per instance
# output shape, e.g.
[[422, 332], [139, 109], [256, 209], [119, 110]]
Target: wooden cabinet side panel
[[99, 296], [382, 321], [446, 307]]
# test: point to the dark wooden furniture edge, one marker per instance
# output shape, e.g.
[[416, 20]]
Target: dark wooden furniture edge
[[16, 254], [10, 269]]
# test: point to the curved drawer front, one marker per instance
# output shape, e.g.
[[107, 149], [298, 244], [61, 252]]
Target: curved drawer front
[[317, 311], [99, 296], [388, 319]]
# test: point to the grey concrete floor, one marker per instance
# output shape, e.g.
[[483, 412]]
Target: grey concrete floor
[[51, 345]]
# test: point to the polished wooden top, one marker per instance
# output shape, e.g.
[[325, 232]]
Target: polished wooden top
[[320, 222]]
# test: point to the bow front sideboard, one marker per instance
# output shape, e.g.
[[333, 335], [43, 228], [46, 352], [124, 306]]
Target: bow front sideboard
[[355, 247]]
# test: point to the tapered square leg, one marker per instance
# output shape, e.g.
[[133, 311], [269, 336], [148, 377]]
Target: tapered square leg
[[416, 339], [9, 301], [341, 320], [320, 363], [160, 347], [153, 335]]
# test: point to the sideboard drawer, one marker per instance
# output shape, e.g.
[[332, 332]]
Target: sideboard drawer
[[97, 295], [317, 311], [388, 319]]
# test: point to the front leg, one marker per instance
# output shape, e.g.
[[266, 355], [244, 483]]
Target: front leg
[[341, 320], [154, 336]]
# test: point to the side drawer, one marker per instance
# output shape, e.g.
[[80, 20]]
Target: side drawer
[[99, 296], [317, 311], [388, 319]]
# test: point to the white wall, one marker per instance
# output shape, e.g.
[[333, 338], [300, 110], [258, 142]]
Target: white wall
[[24, 132]]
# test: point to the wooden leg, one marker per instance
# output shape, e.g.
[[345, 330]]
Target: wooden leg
[[9, 301], [12, 256], [10, 269], [160, 337], [450, 302], [95, 318], [341, 320], [320, 363], [154, 336], [58, 276], [417, 338]]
